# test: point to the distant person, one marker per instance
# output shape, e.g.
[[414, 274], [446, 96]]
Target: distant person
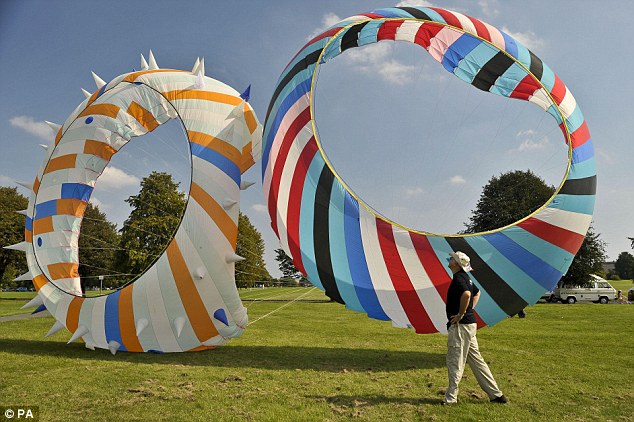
[[462, 344], [620, 298]]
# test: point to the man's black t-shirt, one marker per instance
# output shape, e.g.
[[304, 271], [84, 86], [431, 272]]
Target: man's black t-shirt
[[460, 284]]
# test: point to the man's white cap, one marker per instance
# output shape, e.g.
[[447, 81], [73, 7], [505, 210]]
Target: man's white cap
[[462, 259]]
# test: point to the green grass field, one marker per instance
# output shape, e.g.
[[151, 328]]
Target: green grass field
[[314, 360]]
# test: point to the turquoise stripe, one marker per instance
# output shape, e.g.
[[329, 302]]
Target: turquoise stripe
[[529, 289], [338, 254], [553, 255], [368, 34], [334, 48], [509, 80], [488, 310], [471, 64], [548, 77], [147, 338], [554, 111], [523, 56], [583, 169], [575, 120], [582, 204], [302, 55], [433, 15], [307, 220]]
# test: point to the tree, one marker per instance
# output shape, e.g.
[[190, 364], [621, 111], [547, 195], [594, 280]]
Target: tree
[[624, 266], [156, 214], [250, 246], [286, 265], [97, 244], [512, 196], [12, 263]]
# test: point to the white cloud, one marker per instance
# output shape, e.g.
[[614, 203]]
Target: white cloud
[[114, 178], [457, 180], [413, 191], [6, 180], [374, 59], [328, 20], [528, 38], [96, 202], [489, 8], [30, 125], [529, 143], [421, 3], [261, 208], [604, 156]]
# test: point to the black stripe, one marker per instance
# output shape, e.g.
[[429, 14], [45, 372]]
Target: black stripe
[[299, 66], [415, 13], [351, 38], [537, 68], [492, 70], [321, 237], [585, 186], [505, 297]]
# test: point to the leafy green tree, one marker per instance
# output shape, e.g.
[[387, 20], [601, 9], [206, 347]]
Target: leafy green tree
[[12, 263], [624, 266], [514, 195], [286, 265], [156, 214], [251, 247], [97, 245]]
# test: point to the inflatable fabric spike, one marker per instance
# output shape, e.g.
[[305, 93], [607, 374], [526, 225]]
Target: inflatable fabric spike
[[376, 266], [172, 306]]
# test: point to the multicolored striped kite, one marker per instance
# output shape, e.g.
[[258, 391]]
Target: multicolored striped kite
[[376, 266], [187, 300]]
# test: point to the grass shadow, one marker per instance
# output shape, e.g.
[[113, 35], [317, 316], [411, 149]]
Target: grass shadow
[[244, 356], [374, 399]]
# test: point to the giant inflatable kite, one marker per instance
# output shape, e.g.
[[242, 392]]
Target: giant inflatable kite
[[376, 266], [187, 300]]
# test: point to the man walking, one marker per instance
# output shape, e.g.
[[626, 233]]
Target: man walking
[[462, 344]]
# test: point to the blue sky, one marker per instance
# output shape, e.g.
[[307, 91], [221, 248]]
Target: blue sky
[[414, 142]]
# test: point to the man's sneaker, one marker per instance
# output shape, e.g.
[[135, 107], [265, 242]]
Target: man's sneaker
[[500, 399]]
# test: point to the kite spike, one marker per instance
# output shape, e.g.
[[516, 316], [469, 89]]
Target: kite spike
[[86, 93], [98, 81], [44, 146], [90, 346], [200, 272], [237, 111], [144, 65], [81, 331], [18, 246], [196, 63], [246, 184], [27, 185], [39, 309], [179, 324], [152, 62], [53, 126], [246, 94], [233, 257], [55, 328], [24, 277], [200, 82], [141, 324], [23, 212], [36, 301], [201, 66], [228, 203], [113, 346]]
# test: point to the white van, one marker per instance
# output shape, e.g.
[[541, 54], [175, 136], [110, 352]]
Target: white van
[[601, 291]]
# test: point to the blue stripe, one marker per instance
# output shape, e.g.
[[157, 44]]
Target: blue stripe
[[583, 204], [307, 220], [536, 268], [510, 45], [580, 170], [390, 12], [357, 262], [458, 50], [28, 224], [46, 209], [583, 152], [111, 320], [76, 191], [508, 81], [338, 255], [301, 89], [553, 255], [473, 62], [218, 160]]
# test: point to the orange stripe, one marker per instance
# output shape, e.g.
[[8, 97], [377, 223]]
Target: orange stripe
[[247, 159], [36, 185], [109, 110], [58, 136], [216, 212], [43, 225], [189, 94], [249, 117], [28, 236], [194, 306], [63, 270], [100, 149], [216, 144], [72, 316], [143, 116], [39, 281], [133, 76], [61, 162], [126, 320], [70, 206]]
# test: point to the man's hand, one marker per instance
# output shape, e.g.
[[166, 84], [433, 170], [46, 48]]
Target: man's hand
[[455, 319]]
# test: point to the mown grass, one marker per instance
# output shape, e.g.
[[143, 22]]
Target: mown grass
[[317, 361]]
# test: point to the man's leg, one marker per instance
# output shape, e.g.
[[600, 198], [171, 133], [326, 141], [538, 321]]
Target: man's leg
[[479, 367], [457, 350]]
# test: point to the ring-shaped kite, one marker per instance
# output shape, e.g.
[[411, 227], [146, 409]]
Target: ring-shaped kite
[[388, 271], [187, 300]]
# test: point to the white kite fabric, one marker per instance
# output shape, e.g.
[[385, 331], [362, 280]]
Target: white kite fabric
[[187, 300]]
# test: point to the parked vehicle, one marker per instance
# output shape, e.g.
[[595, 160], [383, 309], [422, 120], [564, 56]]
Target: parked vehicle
[[22, 289], [630, 294], [600, 291]]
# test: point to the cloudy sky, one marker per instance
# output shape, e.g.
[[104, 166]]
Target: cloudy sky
[[414, 142]]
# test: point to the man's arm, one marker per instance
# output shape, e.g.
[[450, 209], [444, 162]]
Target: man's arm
[[464, 304], [475, 299]]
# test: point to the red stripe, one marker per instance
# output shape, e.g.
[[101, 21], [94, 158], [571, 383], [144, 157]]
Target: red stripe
[[558, 91], [372, 15], [295, 198], [526, 88], [580, 136], [449, 17], [556, 235], [290, 135], [387, 31], [426, 32], [402, 284], [433, 267], [481, 28]]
